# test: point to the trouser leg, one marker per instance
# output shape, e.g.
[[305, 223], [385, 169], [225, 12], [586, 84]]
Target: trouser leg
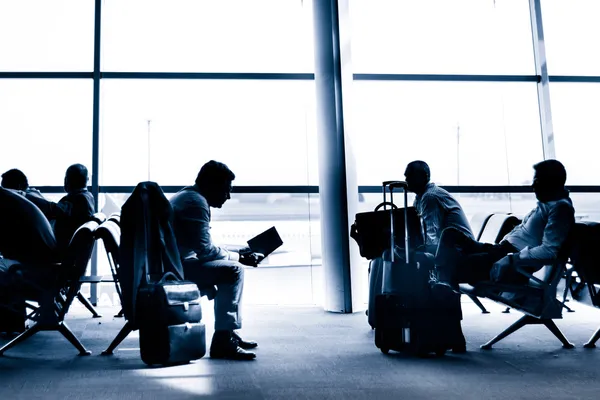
[[228, 276], [452, 248]]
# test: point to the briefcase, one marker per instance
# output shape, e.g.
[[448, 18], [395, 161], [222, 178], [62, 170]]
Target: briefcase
[[169, 317]]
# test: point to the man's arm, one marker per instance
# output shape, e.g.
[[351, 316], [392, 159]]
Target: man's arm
[[196, 219], [560, 221], [433, 217]]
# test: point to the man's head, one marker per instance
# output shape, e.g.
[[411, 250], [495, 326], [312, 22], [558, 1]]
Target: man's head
[[76, 178], [14, 179], [417, 176], [214, 181], [549, 179]]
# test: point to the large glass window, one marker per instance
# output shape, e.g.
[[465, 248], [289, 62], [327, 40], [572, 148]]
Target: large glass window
[[45, 126], [576, 132], [41, 35], [572, 34], [291, 275], [207, 36], [442, 37], [166, 130], [469, 133]]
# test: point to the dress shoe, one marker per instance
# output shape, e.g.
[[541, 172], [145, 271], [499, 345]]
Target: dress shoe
[[231, 353], [225, 346], [246, 345]]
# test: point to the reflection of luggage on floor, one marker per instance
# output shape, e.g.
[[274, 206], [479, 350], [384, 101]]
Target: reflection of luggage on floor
[[407, 316]]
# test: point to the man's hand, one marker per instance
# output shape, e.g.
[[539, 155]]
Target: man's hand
[[500, 268], [251, 259], [244, 250]]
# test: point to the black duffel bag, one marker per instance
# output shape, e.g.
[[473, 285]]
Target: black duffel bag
[[371, 231], [169, 317]]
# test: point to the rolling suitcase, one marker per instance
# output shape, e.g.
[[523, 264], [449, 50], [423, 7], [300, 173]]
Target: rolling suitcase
[[371, 231], [408, 317], [169, 316]]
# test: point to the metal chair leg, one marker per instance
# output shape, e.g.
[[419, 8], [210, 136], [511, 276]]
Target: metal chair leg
[[88, 305], [21, 338], [567, 307], [67, 333], [568, 282], [556, 331], [592, 342], [123, 333], [521, 322], [478, 303]]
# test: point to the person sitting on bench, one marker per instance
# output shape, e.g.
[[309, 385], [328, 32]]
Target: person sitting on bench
[[71, 211], [532, 244], [26, 238], [438, 208], [15, 179], [210, 265]]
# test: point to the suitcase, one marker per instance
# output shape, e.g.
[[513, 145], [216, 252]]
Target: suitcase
[[169, 316], [373, 237], [408, 317], [375, 283]]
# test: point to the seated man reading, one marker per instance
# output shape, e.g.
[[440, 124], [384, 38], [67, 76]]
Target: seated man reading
[[207, 264], [534, 243]]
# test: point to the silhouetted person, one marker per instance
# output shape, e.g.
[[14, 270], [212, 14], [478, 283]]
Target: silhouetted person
[[15, 179], [74, 209], [531, 245], [438, 208], [26, 236], [207, 264]]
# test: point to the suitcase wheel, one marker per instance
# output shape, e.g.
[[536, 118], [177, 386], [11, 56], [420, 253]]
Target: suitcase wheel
[[385, 350]]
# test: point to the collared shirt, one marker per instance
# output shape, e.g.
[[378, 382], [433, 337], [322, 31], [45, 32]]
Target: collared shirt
[[192, 227], [543, 231], [439, 211]]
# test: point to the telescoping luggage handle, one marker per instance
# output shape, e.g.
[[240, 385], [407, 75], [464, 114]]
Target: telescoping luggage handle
[[392, 185]]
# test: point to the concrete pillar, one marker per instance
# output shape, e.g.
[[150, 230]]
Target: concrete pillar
[[345, 281]]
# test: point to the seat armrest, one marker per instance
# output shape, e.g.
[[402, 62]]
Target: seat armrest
[[532, 277]]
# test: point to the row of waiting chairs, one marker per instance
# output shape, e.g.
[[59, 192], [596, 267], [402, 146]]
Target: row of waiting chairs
[[52, 301], [538, 299], [61, 285]]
